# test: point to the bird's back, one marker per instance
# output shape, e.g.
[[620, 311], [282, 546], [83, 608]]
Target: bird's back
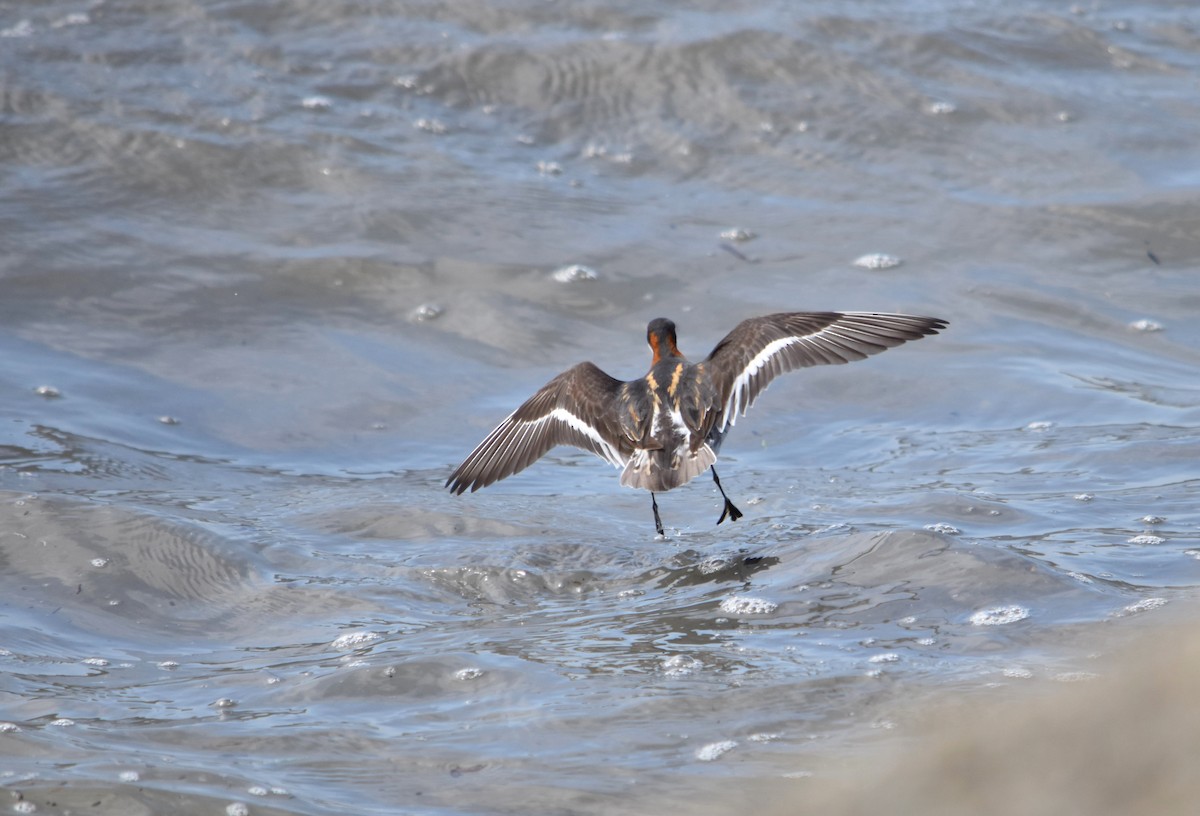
[[668, 415]]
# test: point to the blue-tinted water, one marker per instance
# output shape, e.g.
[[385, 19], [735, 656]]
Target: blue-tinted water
[[278, 267]]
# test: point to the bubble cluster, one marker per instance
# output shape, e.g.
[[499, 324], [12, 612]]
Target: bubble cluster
[[1144, 605], [744, 605], [999, 615], [679, 665], [352, 640]]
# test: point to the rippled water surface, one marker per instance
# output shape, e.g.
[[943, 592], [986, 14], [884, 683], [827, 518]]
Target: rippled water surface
[[269, 270]]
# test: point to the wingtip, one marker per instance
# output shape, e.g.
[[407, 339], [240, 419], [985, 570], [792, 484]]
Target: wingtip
[[459, 484]]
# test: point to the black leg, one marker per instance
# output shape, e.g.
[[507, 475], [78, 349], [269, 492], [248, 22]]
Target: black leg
[[657, 521], [731, 511]]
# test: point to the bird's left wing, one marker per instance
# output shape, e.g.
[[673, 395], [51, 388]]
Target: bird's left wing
[[760, 349]]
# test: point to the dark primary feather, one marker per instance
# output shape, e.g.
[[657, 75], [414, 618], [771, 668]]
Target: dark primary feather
[[527, 434]]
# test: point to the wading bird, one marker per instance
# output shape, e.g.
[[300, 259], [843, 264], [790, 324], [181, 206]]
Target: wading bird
[[665, 428]]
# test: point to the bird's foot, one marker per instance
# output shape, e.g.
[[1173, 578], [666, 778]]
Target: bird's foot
[[730, 511]]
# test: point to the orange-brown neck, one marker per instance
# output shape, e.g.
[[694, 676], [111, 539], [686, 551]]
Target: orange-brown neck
[[660, 334], [663, 345]]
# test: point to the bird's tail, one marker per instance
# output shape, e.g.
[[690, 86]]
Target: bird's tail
[[659, 470]]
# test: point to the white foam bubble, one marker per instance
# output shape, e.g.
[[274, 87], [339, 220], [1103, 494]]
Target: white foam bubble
[[877, 260], [469, 673], [745, 605], [352, 640], [426, 311], [429, 125], [738, 235], [715, 750], [316, 102], [23, 28], [1144, 605], [943, 528], [999, 615], [886, 657], [574, 273], [1146, 325], [1147, 540], [679, 665]]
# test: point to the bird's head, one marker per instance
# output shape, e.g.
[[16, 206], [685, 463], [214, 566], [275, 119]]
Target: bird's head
[[660, 334]]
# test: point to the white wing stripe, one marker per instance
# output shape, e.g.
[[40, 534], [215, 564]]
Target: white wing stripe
[[576, 424], [737, 396], [739, 402], [511, 436]]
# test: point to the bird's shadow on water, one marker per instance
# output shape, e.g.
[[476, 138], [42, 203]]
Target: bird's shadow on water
[[693, 569]]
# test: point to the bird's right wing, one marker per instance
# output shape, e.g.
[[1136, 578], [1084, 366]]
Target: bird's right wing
[[575, 408]]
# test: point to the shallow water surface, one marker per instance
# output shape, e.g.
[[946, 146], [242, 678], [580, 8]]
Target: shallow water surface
[[270, 270]]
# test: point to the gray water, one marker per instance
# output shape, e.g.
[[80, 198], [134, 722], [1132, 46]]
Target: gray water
[[269, 270]]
